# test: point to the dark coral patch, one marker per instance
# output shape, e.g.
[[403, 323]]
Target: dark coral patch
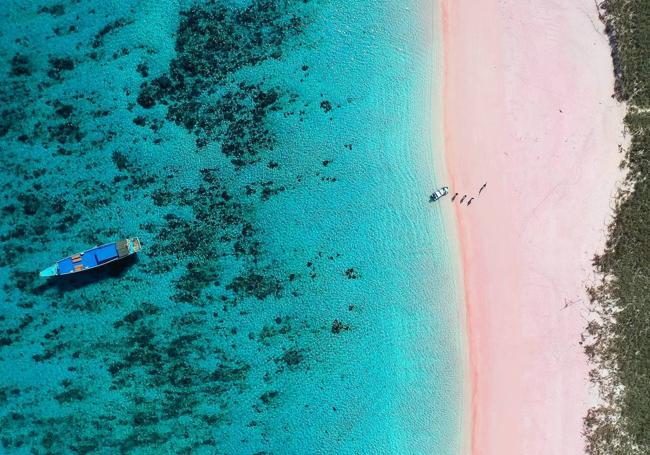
[[352, 273], [254, 284], [213, 43], [146, 100], [338, 327], [20, 66], [59, 65], [197, 276], [291, 358], [326, 106], [64, 110], [54, 10], [98, 40], [143, 69]]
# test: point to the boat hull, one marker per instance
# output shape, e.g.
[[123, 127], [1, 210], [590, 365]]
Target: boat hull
[[52, 270], [438, 194], [93, 258]]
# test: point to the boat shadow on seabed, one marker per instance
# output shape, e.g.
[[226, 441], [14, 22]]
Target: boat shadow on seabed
[[74, 281]]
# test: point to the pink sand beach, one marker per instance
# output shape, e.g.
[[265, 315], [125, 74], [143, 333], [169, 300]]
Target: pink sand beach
[[528, 109]]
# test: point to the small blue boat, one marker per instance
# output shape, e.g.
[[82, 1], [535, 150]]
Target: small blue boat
[[437, 194], [94, 257]]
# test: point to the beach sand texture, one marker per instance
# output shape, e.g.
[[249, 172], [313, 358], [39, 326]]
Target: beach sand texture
[[528, 109]]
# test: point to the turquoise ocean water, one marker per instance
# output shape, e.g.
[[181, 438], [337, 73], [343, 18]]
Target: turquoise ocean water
[[295, 292]]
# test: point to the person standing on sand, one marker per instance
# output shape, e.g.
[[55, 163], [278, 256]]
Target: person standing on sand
[[462, 199], [454, 197], [470, 201], [482, 188]]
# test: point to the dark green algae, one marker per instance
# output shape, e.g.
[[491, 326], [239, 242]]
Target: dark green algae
[[138, 373]]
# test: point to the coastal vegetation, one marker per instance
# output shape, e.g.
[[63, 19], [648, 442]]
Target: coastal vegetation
[[618, 339]]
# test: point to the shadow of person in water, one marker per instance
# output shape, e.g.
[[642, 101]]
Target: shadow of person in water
[[113, 270]]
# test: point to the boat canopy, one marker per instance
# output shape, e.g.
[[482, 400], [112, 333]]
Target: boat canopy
[[105, 253], [89, 259]]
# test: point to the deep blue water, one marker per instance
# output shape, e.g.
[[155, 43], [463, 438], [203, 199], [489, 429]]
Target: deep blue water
[[295, 292]]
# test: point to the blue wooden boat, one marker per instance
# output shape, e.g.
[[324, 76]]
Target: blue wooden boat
[[94, 257]]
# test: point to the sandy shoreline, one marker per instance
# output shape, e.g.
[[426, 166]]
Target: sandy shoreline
[[433, 42], [528, 109]]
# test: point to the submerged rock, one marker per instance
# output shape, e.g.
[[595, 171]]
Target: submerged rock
[[20, 66], [338, 326]]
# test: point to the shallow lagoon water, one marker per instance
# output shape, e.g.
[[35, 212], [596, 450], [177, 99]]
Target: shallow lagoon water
[[295, 291]]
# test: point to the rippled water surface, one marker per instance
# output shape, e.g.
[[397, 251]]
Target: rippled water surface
[[294, 292]]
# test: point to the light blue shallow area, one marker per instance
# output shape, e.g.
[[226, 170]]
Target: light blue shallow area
[[302, 303]]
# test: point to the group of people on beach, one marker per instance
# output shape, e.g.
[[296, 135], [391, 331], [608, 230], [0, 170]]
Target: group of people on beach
[[469, 202]]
